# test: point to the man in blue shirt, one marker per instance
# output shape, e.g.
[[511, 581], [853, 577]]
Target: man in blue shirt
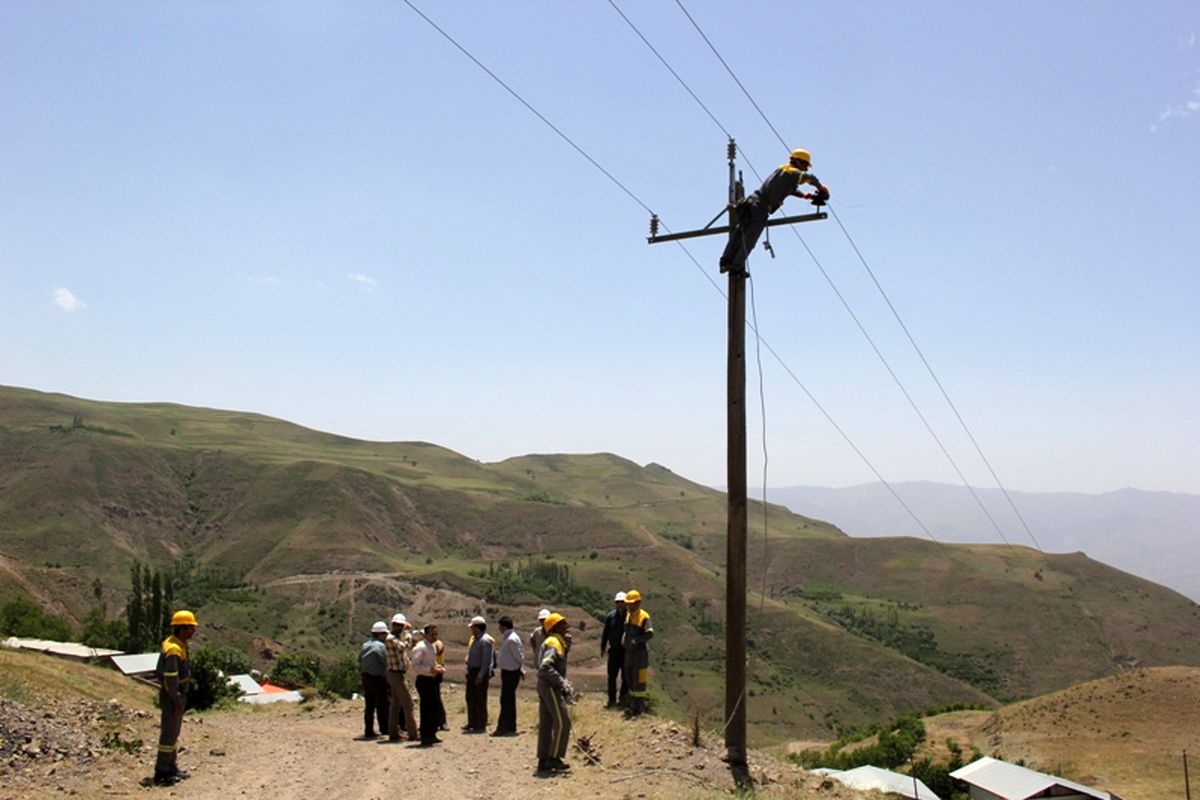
[[372, 662], [481, 662]]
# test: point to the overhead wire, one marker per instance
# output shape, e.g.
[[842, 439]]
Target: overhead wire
[[936, 380], [829, 417], [754, 325], [895, 313]]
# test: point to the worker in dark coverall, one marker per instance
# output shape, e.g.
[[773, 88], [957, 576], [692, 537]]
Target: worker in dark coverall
[[613, 640], [171, 673], [750, 216], [638, 632], [554, 692]]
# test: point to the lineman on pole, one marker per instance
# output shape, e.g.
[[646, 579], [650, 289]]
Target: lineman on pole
[[750, 215]]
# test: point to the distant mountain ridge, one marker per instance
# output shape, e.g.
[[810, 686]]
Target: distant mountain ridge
[[1152, 534]]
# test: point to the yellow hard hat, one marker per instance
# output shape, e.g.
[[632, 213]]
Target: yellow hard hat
[[633, 596], [800, 154], [552, 620], [183, 618]]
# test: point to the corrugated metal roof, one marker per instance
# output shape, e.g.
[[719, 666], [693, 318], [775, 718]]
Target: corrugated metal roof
[[1017, 783], [69, 649], [885, 781], [136, 664], [271, 697], [247, 684]]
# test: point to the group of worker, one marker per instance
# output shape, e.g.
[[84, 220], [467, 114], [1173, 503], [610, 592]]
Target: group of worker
[[390, 654], [396, 650]]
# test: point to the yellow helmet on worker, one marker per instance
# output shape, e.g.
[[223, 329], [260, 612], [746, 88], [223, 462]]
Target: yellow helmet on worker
[[549, 622], [633, 596], [183, 618], [800, 154]]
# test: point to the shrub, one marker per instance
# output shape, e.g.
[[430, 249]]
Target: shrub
[[342, 678], [24, 618], [207, 686], [294, 670]]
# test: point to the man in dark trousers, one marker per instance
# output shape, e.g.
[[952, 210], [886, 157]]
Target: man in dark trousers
[[172, 673], [511, 662], [613, 641], [481, 662], [372, 662], [428, 671], [750, 216]]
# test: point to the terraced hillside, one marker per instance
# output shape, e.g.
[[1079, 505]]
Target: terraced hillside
[[318, 535]]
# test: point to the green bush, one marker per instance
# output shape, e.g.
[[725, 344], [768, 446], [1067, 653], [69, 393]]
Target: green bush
[[293, 671], [207, 686], [104, 633], [229, 659], [24, 618], [342, 678]]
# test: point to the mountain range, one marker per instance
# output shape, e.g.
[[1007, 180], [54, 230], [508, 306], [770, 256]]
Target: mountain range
[[1152, 534]]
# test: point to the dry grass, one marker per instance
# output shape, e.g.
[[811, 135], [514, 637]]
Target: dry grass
[[1124, 734]]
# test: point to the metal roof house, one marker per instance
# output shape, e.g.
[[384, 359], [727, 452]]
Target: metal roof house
[[73, 650], [882, 780], [992, 779]]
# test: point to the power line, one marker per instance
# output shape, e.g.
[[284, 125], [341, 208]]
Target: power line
[[731, 73], [708, 277], [895, 313], [682, 82], [533, 110], [938, 382]]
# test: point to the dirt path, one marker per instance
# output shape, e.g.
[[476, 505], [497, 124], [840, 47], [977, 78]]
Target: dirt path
[[309, 751]]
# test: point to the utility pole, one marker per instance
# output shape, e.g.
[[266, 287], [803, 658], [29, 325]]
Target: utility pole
[[1187, 786], [735, 552]]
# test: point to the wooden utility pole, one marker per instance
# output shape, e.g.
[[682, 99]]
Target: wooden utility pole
[[1187, 785], [735, 552]]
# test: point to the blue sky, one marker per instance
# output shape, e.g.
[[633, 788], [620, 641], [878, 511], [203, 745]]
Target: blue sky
[[325, 212]]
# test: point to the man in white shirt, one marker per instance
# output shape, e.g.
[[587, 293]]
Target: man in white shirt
[[512, 666], [424, 665]]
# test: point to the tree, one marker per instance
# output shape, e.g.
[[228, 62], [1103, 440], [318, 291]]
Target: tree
[[342, 678], [294, 671], [24, 618], [207, 685]]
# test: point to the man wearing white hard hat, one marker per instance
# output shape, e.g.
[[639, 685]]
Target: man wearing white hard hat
[[399, 643], [613, 641], [372, 662], [538, 638]]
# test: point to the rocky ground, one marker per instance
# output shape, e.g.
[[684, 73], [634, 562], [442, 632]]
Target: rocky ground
[[90, 748]]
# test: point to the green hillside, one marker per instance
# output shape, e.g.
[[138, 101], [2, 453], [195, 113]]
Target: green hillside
[[319, 535]]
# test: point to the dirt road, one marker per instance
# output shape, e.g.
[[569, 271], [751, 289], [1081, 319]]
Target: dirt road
[[310, 751]]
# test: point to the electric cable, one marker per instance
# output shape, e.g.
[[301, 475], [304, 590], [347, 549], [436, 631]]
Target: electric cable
[[824, 412], [896, 314], [731, 73], [936, 381]]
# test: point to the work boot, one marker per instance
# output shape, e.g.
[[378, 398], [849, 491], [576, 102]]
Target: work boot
[[543, 765], [558, 765], [180, 775], [165, 779]]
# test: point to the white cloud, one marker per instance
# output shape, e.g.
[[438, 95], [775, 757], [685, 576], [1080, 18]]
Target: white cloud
[[264, 279], [1179, 110], [365, 282], [66, 300]]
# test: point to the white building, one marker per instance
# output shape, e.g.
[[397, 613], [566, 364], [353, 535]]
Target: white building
[[992, 779]]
